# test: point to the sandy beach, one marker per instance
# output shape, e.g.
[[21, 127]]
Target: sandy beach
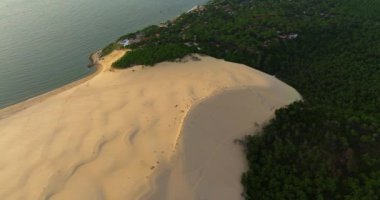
[[94, 58], [164, 133]]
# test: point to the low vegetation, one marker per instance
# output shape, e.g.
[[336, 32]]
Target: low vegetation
[[109, 48], [151, 55], [326, 147]]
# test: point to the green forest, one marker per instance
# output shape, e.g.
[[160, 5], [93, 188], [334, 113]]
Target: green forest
[[328, 145], [152, 55]]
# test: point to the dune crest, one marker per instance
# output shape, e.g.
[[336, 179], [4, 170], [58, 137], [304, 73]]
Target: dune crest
[[210, 159], [110, 136]]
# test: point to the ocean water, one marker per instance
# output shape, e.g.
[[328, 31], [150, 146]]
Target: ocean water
[[45, 44]]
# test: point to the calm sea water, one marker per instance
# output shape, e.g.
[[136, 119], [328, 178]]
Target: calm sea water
[[45, 44]]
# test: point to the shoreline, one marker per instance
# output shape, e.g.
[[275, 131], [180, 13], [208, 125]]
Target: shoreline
[[122, 127], [17, 107]]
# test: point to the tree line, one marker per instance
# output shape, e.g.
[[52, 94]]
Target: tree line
[[326, 147]]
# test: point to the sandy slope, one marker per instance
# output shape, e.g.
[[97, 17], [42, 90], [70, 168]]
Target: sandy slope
[[123, 134], [210, 160]]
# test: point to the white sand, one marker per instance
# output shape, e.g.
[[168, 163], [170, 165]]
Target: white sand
[[126, 134]]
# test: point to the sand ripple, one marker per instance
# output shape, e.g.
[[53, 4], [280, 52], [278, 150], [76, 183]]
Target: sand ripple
[[110, 136]]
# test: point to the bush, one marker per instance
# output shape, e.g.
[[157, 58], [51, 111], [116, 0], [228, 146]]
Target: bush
[[150, 55], [109, 48]]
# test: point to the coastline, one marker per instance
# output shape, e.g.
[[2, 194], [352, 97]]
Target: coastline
[[190, 130], [14, 108], [110, 138]]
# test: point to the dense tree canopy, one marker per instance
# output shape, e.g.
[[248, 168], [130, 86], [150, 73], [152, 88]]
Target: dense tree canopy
[[313, 152], [153, 55], [326, 147]]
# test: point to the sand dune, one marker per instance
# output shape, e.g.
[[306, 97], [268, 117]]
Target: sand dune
[[143, 133]]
